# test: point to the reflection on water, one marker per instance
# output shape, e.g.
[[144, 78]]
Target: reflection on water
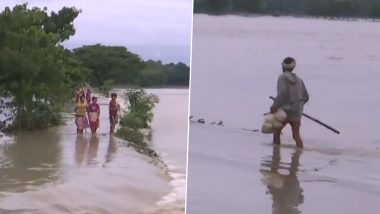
[[282, 182], [80, 149], [30, 160], [111, 150], [93, 150], [88, 150]]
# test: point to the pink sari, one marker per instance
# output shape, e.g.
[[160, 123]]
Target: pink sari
[[82, 123]]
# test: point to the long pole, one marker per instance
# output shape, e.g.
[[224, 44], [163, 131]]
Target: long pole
[[317, 121]]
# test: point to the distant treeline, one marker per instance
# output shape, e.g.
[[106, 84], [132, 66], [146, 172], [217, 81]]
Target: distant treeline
[[323, 8], [109, 65]]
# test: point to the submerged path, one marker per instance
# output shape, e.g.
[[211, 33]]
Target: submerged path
[[58, 171]]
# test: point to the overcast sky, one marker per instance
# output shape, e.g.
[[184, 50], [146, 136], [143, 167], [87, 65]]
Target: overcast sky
[[154, 29]]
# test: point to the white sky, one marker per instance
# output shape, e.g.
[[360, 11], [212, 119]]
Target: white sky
[[154, 29]]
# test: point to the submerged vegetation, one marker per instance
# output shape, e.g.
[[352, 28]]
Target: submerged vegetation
[[36, 72], [135, 125], [38, 75]]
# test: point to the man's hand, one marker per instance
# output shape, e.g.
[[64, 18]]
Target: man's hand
[[272, 110]]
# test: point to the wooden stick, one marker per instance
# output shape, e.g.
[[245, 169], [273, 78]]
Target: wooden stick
[[315, 120]]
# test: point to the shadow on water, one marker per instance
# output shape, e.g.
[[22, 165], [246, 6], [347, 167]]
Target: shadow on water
[[30, 160], [282, 182]]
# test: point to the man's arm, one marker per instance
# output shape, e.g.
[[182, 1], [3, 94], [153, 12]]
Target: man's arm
[[305, 93], [281, 93]]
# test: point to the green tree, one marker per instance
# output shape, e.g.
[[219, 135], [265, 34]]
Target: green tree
[[200, 6], [217, 6], [152, 74], [252, 6], [35, 70], [374, 11], [177, 74], [110, 63]]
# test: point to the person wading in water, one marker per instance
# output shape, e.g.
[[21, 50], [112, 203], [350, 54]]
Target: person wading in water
[[114, 108], [291, 97], [93, 115], [80, 115]]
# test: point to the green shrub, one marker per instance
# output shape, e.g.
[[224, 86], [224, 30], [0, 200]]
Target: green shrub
[[141, 106], [42, 115], [132, 120]]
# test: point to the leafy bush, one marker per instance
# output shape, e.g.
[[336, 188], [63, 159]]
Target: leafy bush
[[137, 138], [133, 121], [42, 116], [139, 117], [141, 109]]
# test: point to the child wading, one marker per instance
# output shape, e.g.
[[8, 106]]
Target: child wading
[[291, 97], [93, 115], [114, 108], [80, 115]]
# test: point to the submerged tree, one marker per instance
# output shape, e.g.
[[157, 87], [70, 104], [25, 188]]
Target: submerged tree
[[35, 70]]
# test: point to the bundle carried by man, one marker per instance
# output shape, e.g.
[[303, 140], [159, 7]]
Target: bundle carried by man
[[273, 121]]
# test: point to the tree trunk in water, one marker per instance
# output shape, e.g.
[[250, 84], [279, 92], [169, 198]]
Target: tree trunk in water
[[29, 110]]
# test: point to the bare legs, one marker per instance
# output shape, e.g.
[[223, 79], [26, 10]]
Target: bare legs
[[112, 124], [296, 134]]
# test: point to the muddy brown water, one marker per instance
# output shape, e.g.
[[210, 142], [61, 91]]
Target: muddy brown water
[[236, 62], [57, 171]]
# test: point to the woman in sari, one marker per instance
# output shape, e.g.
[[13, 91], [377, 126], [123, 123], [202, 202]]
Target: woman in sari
[[93, 115], [80, 115]]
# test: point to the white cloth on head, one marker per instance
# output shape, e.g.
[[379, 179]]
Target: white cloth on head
[[290, 66]]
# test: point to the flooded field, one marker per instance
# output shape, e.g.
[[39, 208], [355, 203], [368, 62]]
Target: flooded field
[[236, 62], [56, 171]]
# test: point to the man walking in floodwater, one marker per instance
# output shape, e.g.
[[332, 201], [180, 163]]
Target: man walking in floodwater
[[291, 97]]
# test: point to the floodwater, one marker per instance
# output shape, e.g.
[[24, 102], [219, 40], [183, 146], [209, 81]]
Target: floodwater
[[170, 130], [235, 65], [56, 171]]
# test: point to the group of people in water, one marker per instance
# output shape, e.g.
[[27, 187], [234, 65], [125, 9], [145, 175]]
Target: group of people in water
[[87, 111]]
